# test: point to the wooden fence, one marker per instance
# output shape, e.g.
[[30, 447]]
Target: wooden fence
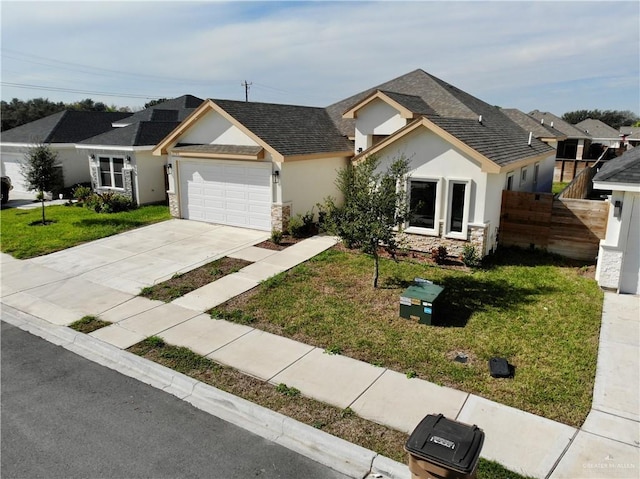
[[568, 227]]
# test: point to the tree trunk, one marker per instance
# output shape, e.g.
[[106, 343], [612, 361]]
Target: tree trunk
[[376, 269], [43, 220]]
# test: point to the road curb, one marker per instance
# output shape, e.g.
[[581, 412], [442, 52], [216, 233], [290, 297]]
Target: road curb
[[338, 454]]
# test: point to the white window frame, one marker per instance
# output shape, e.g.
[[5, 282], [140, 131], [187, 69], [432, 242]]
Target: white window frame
[[464, 234], [435, 231], [523, 176], [111, 172]]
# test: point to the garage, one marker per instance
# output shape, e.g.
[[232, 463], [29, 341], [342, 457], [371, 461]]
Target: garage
[[234, 193], [11, 168]]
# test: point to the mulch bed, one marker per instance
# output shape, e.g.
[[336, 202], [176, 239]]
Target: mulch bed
[[184, 283]]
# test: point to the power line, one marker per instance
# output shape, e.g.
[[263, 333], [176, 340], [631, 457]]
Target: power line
[[246, 89], [71, 90]]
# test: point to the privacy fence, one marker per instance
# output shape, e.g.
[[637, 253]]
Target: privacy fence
[[569, 227]]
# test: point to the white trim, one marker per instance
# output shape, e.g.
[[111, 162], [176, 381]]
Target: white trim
[[605, 185], [31, 145], [111, 172], [464, 233], [114, 147], [435, 231]]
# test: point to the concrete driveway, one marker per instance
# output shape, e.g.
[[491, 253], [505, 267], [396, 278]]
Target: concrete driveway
[[129, 261]]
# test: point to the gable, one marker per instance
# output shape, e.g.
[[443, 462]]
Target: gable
[[214, 129], [379, 118]]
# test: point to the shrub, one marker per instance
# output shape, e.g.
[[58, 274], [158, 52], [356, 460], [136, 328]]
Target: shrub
[[81, 193], [470, 256], [439, 254], [301, 226], [109, 202], [276, 236]]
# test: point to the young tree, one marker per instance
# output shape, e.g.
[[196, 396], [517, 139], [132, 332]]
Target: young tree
[[374, 204], [41, 171]]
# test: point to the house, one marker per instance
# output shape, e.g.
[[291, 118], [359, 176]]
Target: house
[[630, 135], [574, 153], [604, 140], [253, 165], [543, 132], [618, 265], [121, 159], [463, 152], [257, 164], [60, 131]]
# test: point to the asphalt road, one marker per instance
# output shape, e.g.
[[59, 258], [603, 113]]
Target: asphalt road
[[66, 417]]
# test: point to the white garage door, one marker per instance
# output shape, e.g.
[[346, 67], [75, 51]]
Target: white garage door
[[226, 192], [11, 168]]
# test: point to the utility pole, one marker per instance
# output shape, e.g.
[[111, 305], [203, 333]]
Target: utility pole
[[246, 89]]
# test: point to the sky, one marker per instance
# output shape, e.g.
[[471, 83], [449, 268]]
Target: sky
[[555, 56]]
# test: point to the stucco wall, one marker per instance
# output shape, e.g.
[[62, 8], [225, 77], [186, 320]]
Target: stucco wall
[[74, 165], [212, 128], [376, 118], [149, 177], [305, 183]]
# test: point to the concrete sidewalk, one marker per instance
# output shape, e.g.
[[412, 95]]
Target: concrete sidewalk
[[606, 446]]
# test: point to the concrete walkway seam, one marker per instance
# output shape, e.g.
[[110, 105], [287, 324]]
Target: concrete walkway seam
[[331, 451], [562, 454]]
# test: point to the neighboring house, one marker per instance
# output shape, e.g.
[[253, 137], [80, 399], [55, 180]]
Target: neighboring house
[[542, 131], [600, 133], [256, 164], [121, 159], [619, 255], [630, 135], [60, 131], [574, 153], [252, 165]]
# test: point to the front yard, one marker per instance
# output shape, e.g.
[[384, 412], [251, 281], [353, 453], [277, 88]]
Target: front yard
[[22, 235], [541, 314]]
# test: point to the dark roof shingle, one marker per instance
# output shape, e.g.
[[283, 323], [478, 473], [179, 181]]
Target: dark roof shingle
[[498, 138], [291, 130], [141, 133], [63, 127], [176, 109], [623, 169]]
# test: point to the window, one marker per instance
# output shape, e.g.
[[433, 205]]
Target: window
[[536, 174], [422, 202], [523, 176], [456, 218], [111, 172], [509, 185]]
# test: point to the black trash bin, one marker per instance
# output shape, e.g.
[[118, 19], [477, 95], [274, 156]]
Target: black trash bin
[[440, 448]]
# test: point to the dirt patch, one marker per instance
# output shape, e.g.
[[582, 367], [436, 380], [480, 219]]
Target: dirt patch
[[284, 243], [184, 283]]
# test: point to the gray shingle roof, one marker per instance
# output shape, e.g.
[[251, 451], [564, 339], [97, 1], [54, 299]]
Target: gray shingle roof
[[176, 109], [623, 169], [632, 132], [142, 133], [598, 129], [290, 130], [559, 124], [528, 123], [498, 137], [63, 127], [229, 149], [411, 102]]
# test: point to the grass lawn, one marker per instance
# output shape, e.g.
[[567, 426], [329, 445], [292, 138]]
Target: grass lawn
[[88, 324], [342, 423], [557, 187], [539, 312], [23, 237]]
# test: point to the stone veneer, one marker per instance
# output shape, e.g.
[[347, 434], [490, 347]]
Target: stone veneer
[[174, 209], [280, 215], [477, 237], [609, 267]]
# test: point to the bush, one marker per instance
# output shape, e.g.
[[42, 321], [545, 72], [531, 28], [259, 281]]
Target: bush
[[276, 236], [109, 202], [81, 193], [470, 256], [439, 254], [301, 226]]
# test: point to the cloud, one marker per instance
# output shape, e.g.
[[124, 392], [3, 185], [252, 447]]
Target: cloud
[[508, 53]]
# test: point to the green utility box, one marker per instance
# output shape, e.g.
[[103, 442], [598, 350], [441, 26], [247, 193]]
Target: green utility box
[[419, 302]]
